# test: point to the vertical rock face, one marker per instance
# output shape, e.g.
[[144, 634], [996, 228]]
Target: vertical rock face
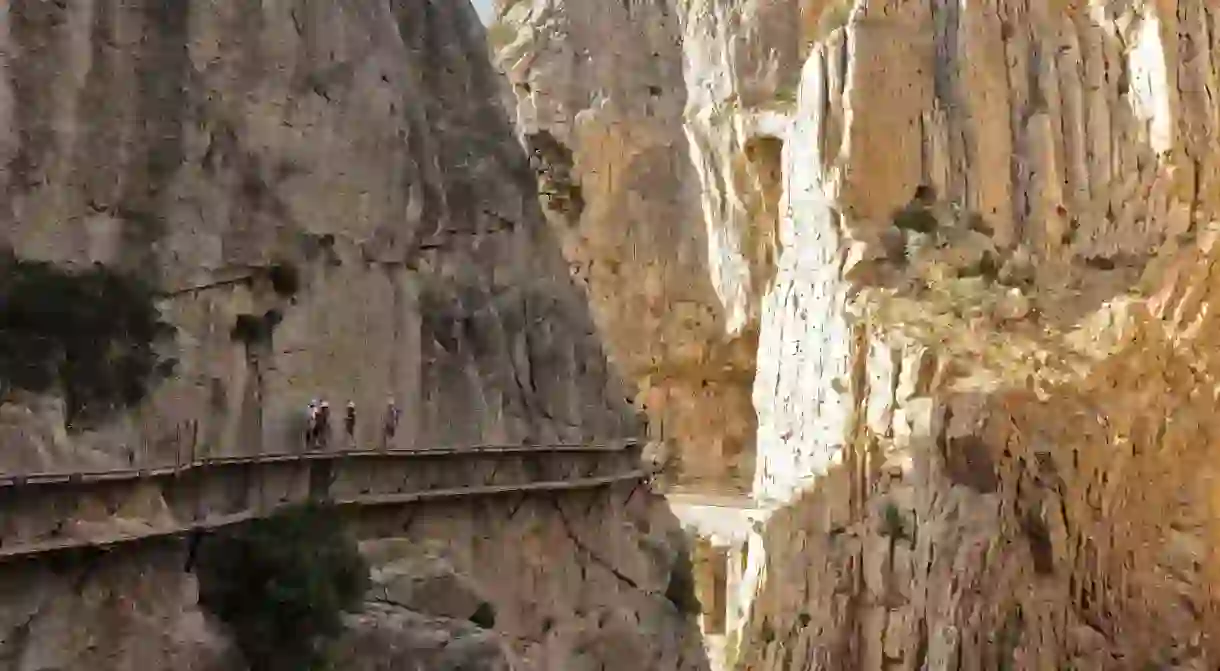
[[132, 612], [591, 581], [199, 145], [586, 581], [974, 241], [604, 121], [364, 145]]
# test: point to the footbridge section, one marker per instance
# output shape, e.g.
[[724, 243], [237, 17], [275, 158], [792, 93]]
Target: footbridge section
[[44, 513]]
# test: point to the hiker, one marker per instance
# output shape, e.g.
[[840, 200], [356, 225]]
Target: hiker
[[323, 427], [311, 425], [391, 420], [349, 422]]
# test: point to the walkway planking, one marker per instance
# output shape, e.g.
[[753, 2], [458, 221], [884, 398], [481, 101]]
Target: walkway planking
[[214, 492], [110, 475]]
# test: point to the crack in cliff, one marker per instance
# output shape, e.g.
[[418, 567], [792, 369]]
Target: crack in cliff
[[12, 646], [857, 461], [440, 239], [597, 559]]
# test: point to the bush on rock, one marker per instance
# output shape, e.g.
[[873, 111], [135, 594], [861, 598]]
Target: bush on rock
[[282, 585], [88, 335]]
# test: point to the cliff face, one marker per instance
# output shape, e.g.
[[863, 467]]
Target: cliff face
[[587, 583], [364, 145], [606, 124], [974, 240], [551, 583]]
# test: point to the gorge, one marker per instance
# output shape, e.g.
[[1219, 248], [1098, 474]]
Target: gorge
[[905, 305]]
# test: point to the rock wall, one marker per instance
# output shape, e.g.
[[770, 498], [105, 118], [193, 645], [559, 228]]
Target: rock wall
[[982, 373], [138, 611], [364, 144], [605, 119], [587, 585], [568, 582]]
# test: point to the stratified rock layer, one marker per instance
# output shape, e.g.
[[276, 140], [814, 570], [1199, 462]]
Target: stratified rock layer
[[983, 452]]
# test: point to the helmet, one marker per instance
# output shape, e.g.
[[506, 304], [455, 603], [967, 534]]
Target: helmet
[[325, 404], [351, 404]]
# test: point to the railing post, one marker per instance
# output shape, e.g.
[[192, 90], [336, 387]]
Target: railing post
[[319, 479], [635, 450]]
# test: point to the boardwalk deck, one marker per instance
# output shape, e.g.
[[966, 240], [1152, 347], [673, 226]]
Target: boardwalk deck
[[79, 477], [39, 512]]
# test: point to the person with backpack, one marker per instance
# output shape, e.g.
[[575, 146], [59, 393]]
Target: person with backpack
[[349, 423], [311, 425], [323, 429], [391, 421]]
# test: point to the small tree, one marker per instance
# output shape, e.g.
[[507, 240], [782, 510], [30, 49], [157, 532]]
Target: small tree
[[282, 584], [251, 329], [90, 335], [681, 587], [285, 278]]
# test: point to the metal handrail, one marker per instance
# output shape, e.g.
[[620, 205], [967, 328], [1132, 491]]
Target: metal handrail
[[110, 475], [27, 549]]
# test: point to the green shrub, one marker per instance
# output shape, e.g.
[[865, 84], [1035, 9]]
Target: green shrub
[[766, 632], [915, 218], [732, 649], [484, 616], [681, 588], [282, 584], [285, 278], [247, 329], [834, 16], [252, 329], [500, 35], [893, 525], [1008, 639], [89, 335], [786, 96]]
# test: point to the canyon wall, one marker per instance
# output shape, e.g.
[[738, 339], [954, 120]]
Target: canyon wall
[[563, 582], [366, 144], [605, 121], [974, 242]]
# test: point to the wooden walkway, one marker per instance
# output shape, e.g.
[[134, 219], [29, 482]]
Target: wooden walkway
[[118, 474], [56, 511]]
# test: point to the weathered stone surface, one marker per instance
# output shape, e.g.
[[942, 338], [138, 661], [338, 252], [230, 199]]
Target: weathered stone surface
[[974, 462], [385, 638], [93, 510], [652, 268], [108, 612], [421, 581], [367, 145], [574, 582], [550, 583], [365, 142]]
